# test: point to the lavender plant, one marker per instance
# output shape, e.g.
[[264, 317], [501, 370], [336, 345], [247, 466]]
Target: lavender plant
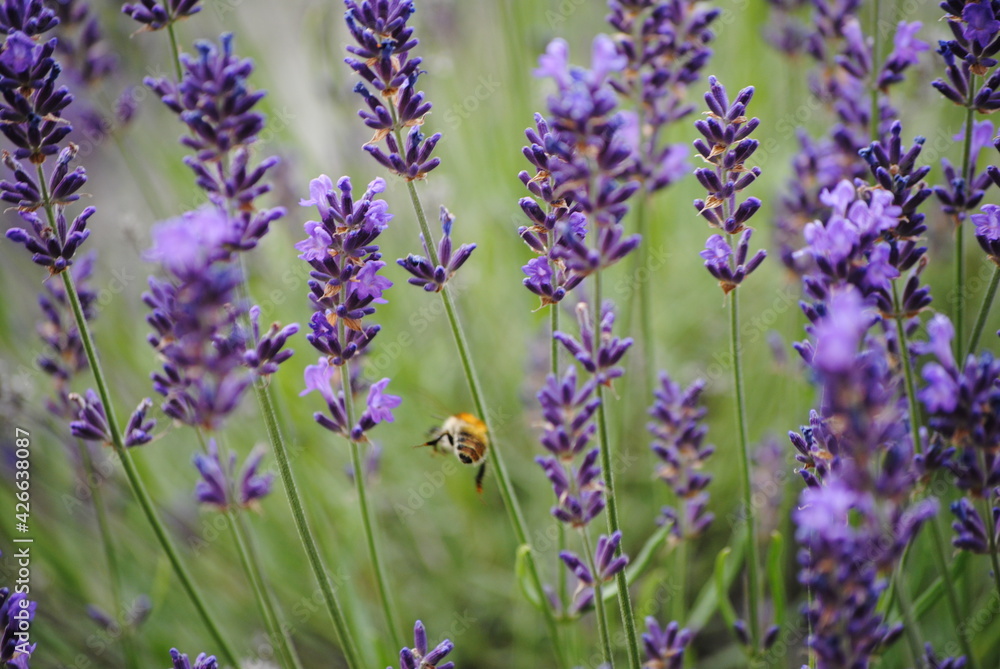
[[34, 101], [726, 145], [345, 285]]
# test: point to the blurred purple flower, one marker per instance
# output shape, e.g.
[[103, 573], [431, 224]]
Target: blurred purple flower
[[203, 661], [423, 657], [220, 486], [433, 278]]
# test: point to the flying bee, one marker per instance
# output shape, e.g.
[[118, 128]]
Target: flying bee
[[464, 435]]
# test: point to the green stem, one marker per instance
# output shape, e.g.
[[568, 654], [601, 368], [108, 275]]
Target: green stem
[[602, 619], [987, 513], [604, 444], [645, 298], [939, 554], [255, 574], [984, 312], [503, 478], [110, 554], [138, 489], [175, 50], [753, 561], [877, 37], [679, 607], [388, 610], [333, 607], [910, 626], [960, 220]]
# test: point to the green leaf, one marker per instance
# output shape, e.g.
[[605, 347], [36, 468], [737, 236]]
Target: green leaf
[[707, 601], [722, 587], [524, 578], [775, 560]]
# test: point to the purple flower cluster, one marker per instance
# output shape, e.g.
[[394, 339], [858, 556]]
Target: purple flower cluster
[[154, 15], [428, 276], [726, 145], [597, 352], [843, 81], [214, 99], [421, 656], [219, 487], [665, 646], [963, 405], [345, 283], [606, 566], [665, 44], [678, 441], [203, 661], [64, 357], [583, 154], [194, 314], [383, 60], [855, 518], [975, 31], [32, 106], [16, 614], [91, 422]]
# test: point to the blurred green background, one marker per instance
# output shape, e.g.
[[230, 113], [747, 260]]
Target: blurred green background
[[449, 554]]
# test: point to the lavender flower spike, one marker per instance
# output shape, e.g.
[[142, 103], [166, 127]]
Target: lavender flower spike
[[720, 262], [15, 611], [598, 353], [429, 277], [665, 646], [92, 421], [219, 487], [156, 15], [423, 657], [203, 661]]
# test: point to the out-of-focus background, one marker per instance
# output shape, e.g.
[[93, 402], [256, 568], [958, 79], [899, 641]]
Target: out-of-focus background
[[450, 554]]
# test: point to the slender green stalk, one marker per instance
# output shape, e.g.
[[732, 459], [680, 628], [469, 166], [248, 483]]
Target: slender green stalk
[[753, 561], [984, 312], [986, 512], [877, 37], [265, 604], [388, 610], [135, 482], [939, 553], [333, 607], [911, 628], [645, 297], [960, 221], [602, 619], [604, 444], [175, 50], [679, 604], [110, 555]]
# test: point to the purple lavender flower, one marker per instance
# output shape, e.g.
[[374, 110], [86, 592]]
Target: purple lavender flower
[[727, 146], [420, 656], [970, 53], [605, 562], [203, 661], [906, 50], [16, 613], [220, 487], [971, 533], [65, 356], [946, 663], [665, 646], [30, 17], [961, 193], [988, 231], [568, 409], [215, 100], [433, 278], [598, 353], [678, 435], [345, 281], [92, 421], [269, 352], [579, 489], [728, 269], [378, 408], [382, 59], [158, 15], [668, 56]]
